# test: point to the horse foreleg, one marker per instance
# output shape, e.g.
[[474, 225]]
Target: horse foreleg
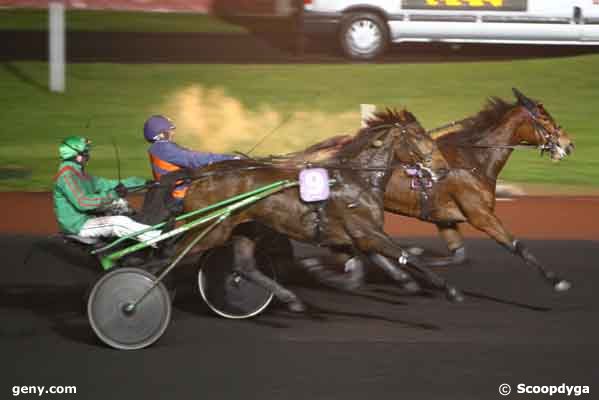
[[372, 241], [451, 235], [492, 226], [245, 265], [454, 240]]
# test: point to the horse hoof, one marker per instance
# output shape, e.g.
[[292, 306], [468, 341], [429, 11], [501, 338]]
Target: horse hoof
[[352, 284], [459, 255], [562, 285], [296, 306], [411, 287], [416, 251], [454, 295]]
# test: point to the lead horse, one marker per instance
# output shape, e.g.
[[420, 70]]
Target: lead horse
[[477, 149], [351, 220]]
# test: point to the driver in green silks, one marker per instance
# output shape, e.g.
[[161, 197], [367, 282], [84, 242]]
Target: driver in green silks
[[80, 198]]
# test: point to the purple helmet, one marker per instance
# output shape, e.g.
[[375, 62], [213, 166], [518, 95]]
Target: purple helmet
[[155, 125]]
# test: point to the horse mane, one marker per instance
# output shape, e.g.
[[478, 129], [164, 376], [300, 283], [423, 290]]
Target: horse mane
[[317, 152], [381, 119], [473, 129], [390, 116], [332, 143]]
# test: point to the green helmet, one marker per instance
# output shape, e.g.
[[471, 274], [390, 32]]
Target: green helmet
[[72, 146]]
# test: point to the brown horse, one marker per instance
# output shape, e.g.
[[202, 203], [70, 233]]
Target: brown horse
[[350, 221], [477, 149]]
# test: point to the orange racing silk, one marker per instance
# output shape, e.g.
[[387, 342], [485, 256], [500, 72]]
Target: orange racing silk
[[161, 167]]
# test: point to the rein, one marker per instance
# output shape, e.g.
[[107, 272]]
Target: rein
[[308, 164], [503, 147], [209, 174], [451, 124]]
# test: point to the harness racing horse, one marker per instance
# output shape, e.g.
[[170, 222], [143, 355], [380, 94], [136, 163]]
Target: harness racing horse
[[431, 165], [351, 218], [477, 149]]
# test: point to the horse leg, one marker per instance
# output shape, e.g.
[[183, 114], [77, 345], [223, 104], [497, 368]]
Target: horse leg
[[245, 265], [352, 279], [396, 273], [450, 233], [492, 226], [372, 241]]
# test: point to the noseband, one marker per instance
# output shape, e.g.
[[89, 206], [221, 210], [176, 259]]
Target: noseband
[[551, 145]]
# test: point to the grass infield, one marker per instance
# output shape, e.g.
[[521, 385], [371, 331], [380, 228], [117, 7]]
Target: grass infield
[[223, 108]]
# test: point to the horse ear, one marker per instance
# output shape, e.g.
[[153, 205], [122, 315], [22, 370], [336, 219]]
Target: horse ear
[[518, 95], [523, 100]]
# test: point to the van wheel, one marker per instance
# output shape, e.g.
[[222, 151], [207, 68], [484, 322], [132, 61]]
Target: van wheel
[[363, 36]]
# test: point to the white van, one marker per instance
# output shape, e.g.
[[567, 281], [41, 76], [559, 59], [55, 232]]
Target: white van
[[365, 28]]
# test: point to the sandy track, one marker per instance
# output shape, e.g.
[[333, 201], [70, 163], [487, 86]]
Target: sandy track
[[572, 218]]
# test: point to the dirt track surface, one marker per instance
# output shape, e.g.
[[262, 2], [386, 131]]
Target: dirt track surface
[[573, 218], [375, 344]]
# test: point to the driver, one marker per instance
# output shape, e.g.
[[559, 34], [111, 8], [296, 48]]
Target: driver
[[79, 197], [166, 156]]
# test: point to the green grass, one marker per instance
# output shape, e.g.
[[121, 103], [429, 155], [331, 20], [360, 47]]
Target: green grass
[[231, 107], [117, 21]]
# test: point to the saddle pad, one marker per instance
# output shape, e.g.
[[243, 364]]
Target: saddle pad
[[314, 184], [412, 171]]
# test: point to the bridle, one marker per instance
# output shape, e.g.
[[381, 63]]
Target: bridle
[[549, 142]]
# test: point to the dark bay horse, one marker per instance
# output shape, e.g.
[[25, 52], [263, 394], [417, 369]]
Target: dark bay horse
[[477, 149], [351, 220]]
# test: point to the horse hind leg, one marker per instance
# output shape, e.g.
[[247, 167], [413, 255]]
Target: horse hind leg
[[324, 269], [437, 282], [245, 265], [374, 241], [405, 280]]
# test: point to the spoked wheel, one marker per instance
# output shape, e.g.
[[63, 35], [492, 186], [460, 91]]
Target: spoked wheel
[[115, 322], [227, 293]]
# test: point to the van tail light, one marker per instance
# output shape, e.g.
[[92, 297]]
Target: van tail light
[[307, 2]]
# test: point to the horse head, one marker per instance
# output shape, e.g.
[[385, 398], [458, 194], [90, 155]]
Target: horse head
[[542, 129], [412, 145]]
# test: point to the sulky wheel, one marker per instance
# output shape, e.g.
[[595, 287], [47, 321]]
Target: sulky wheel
[[226, 292], [123, 328]]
